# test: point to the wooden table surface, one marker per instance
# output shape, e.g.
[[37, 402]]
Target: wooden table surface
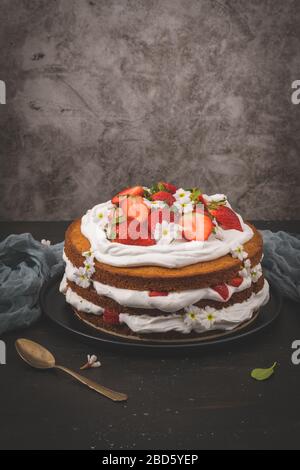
[[205, 400]]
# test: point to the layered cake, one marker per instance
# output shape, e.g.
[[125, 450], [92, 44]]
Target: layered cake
[[164, 263]]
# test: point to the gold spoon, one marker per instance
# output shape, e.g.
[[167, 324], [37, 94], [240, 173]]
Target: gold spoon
[[40, 358]]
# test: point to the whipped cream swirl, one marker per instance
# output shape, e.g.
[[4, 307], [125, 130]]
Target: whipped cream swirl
[[174, 255]]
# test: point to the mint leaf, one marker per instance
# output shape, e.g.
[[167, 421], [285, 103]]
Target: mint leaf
[[263, 374]]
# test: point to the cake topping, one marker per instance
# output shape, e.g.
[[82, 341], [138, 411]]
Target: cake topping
[[164, 196], [135, 191], [226, 217]]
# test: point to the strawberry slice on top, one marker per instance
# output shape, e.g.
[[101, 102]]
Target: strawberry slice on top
[[133, 207], [134, 191], [164, 196], [196, 226], [171, 188], [227, 218]]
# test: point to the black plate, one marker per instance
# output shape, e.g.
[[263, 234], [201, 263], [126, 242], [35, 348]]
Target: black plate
[[55, 307]]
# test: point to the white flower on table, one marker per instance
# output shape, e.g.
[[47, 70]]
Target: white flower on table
[[256, 274], [184, 207], [46, 242], [81, 278], [239, 252], [92, 362], [165, 232], [246, 271], [182, 196]]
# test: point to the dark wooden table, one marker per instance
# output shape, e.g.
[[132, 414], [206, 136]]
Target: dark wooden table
[[205, 400]]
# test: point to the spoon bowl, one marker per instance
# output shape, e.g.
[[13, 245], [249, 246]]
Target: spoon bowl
[[34, 354]]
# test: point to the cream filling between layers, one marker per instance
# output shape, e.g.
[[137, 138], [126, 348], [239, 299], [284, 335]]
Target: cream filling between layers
[[175, 255], [225, 319], [173, 302]]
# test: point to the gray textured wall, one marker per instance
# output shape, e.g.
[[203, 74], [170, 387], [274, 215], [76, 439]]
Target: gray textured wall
[[107, 93]]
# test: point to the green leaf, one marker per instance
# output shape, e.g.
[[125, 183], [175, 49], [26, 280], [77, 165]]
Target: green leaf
[[195, 194], [263, 374]]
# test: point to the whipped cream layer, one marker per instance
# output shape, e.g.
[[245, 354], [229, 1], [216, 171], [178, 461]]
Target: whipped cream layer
[[173, 302], [227, 318], [174, 255]]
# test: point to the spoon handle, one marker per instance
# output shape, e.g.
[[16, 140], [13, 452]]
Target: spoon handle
[[115, 396]]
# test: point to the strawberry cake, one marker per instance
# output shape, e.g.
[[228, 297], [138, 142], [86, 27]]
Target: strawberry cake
[[164, 263]]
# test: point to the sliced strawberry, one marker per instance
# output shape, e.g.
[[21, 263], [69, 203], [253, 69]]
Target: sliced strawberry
[[154, 293], [222, 289], [135, 191], [168, 187], [110, 317], [163, 196], [227, 218], [196, 226], [236, 281], [202, 200], [140, 241], [135, 208]]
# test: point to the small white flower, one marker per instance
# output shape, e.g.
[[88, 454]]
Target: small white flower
[[219, 232], [92, 362], [239, 252], [101, 216], [81, 278], [191, 317], [183, 196], [246, 271], [88, 254], [208, 317], [45, 242], [184, 207], [256, 274], [89, 266], [165, 233]]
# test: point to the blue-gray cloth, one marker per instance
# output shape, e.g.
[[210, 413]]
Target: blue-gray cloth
[[281, 262], [24, 266], [26, 263]]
